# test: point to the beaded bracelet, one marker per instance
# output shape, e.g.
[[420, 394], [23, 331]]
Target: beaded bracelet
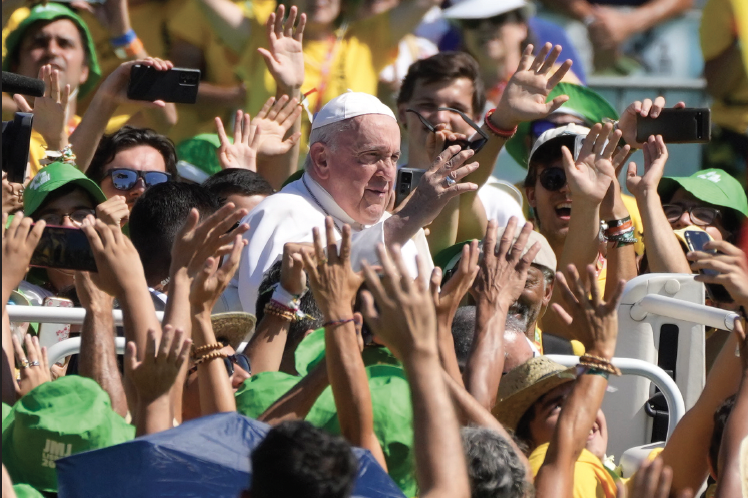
[[206, 349], [600, 363], [276, 311], [210, 356]]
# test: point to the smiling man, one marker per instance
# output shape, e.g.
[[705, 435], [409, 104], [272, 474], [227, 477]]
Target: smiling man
[[348, 175]]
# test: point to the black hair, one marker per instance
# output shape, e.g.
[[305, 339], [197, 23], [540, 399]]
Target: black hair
[[443, 67], [62, 192], [157, 217], [494, 468], [522, 435], [463, 330], [239, 181], [721, 414], [128, 137], [300, 460], [314, 318]]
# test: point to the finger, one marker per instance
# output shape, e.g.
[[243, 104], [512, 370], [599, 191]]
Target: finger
[[238, 126], [577, 285], [540, 58], [724, 247], [345, 245], [18, 350], [613, 137], [566, 294], [224, 140], [265, 108], [391, 277], [680, 105], [589, 142], [310, 266], [550, 61], [521, 243], [562, 314], [93, 239], [66, 96], [176, 346], [559, 75], [22, 103], [396, 254], [373, 284], [151, 344], [596, 298], [55, 81], [131, 353], [421, 280], [646, 106], [277, 107], [246, 129], [369, 310], [278, 27], [230, 266], [620, 158], [526, 61], [299, 35], [505, 244], [712, 264], [434, 283], [444, 157], [601, 139], [665, 481], [319, 250], [270, 27], [657, 106], [288, 109], [44, 361], [489, 241], [288, 28], [332, 246]]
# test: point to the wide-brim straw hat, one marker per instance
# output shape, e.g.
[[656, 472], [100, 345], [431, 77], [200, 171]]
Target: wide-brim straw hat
[[234, 327], [523, 386]]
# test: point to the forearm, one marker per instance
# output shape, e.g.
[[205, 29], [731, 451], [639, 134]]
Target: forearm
[[655, 12], [447, 354], [734, 435], [664, 252], [216, 395], [98, 355], [296, 403], [621, 261], [153, 417], [228, 21], [407, 16], [177, 314], [722, 73], [228, 97], [401, 226], [440, 461], [486, 361], [443, 230], [265, 348], [488, 155], [138, 315], [85, 139]]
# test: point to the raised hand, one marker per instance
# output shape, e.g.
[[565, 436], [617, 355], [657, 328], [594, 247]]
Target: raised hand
[[655, 158], [404, 316], [333, 281], [242, 153], [627, 123], [51, 112], [503, 270], [590, 175], [652, 480], [272, 123], [212, 280], [595, 321], [435, 141], [524, 98], [285, 59], [33, 364], [293, 278], [730, 262], [113, 211], [12, 196], [447, 299], [154, 376], [19, 241]]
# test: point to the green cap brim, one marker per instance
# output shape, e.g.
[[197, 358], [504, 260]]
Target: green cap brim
[[33, 199], [51, 12], [726, 193], [583, 101], [201, 152]]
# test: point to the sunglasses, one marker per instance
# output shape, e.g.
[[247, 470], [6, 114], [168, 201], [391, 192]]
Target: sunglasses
[[475, 145], [553, 179], [125, 179], [229, 361], [700, 215]]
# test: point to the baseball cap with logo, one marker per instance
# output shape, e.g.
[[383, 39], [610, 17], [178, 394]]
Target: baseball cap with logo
[[57, 419], [349, 105], [55, 176], [51, 12], [713, 186]]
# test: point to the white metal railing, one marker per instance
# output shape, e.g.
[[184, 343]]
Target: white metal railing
[[684, 310], [641, 368], [44, 314]]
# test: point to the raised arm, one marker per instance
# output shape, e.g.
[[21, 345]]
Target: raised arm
[[499, 283], [334, 285], [405, 320], [596, 321], [407, 16], [228, 21]]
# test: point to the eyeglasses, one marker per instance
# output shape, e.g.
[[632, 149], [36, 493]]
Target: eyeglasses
[[553, 179], [76, 217], [475, 145], [700, 215], [125, 179], [229, 361]]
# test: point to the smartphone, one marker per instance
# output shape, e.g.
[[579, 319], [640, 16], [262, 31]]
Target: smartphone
[[677, 126], [407, 181], [177, 85], [52, 333], [64, 248], [695, 240]]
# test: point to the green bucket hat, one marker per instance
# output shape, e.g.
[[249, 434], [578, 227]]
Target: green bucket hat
[[582, 102], [50, 12], [58, 419], [262, 390], [55, 176], [714, 186], [200, 152]]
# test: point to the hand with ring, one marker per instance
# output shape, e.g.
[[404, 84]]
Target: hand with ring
[[34, 367]]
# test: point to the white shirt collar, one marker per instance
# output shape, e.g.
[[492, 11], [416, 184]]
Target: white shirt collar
[[325, 202]]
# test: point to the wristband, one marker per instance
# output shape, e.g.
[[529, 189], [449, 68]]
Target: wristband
[[124, 40], [618, 223], [129, 51], [586, 370], [284, 298], [495, 129]]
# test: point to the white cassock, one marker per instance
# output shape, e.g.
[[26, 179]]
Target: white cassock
[[289, 216]]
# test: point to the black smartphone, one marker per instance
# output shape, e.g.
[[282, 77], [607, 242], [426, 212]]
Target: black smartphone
[[64, 248], [695, 240], [677, 126], [178, 85], [407, 181], [15, 146]]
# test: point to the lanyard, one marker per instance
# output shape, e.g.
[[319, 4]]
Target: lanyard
[[327, 66]]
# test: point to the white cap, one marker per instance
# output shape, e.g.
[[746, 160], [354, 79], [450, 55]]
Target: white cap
[[571, 130], [349, 105], [482, 9], [188, 171]]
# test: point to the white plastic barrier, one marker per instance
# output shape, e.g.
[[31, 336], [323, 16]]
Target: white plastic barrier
[[71, 346], [43, 314]]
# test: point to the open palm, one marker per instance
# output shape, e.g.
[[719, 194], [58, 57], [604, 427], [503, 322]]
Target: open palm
[[285, 59], [272, 123], [243, 152], [591, 174]]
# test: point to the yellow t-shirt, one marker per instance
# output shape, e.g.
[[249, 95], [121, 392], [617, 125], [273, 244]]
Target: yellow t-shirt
[[15, 19], [591, 479], [351, 60], [722, 22]]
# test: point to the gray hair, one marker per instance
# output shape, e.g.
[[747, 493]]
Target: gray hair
[[328, 135], [494, 468]]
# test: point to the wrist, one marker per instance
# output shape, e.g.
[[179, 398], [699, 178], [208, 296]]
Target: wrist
[[603, 351], [502, 119], [336, 313], [290, 90]]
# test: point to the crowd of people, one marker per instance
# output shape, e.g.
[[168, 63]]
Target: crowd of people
[[321, 243]]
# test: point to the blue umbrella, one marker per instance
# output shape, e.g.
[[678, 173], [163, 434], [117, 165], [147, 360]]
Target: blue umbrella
[[209, 456]]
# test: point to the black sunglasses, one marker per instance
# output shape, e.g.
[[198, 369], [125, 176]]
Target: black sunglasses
[[553, 179], [239, 358], [475, 145], [125, 179]]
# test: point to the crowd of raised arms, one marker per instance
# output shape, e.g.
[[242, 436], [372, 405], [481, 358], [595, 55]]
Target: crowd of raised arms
[[323, 253]]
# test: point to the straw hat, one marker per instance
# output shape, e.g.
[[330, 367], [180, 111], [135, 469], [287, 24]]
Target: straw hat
[[523, 386], [234, 327]]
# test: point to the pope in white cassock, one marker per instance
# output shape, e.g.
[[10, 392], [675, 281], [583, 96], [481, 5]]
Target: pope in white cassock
[[349, 175]]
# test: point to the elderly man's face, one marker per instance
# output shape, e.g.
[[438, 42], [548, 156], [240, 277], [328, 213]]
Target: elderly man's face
[[359, 169], [534, 296], [552, 208], [58, 43]]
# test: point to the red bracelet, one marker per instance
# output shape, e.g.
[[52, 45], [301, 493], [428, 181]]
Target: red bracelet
[[495, 129]]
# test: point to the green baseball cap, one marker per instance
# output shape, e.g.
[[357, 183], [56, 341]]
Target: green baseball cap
[[50, 12], [583, 102], [26, 491], [55, 176], [57, 419], [200, 152], [6, 411], [714, 186], [261, 390]]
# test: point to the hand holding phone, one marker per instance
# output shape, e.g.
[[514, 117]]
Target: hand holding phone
[[695, 240], [64, 248], [178, 85]]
